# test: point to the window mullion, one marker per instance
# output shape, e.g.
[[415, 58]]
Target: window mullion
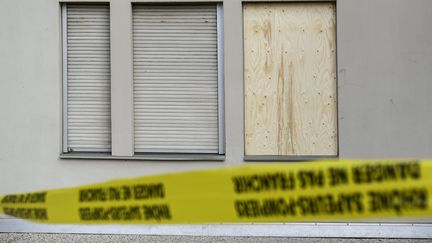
[[121, 79]]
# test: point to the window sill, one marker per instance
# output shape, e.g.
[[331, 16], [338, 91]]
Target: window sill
[[145, 157], [280, 158]]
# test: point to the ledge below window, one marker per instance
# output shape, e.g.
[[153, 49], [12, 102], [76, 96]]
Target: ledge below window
[[280, 158], [146, 157]]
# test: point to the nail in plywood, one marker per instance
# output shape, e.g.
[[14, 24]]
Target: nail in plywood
[[290, 79]]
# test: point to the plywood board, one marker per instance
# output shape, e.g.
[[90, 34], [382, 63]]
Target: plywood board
[[290, 79]]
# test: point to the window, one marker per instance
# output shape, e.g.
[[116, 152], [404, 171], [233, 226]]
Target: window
[[177, 79], [290, 80], [86, 77]]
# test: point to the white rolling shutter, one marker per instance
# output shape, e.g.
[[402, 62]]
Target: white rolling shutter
[[175, 78], [88, 78]]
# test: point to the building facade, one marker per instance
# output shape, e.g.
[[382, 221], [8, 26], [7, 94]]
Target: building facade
[[96, 90]]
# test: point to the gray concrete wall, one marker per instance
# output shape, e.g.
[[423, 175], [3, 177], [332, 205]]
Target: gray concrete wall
[[384, 67], [385, 78]]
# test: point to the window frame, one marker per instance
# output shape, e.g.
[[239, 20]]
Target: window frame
[[292, 158], [64, 46], [65, 154], [64, 146]]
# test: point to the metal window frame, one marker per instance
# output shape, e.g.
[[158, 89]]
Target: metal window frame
[[221, 76], [93, 154], [220, 155], [64, 78], [64, 48]]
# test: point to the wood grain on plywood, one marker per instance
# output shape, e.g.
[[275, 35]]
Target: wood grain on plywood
[[290, 79]]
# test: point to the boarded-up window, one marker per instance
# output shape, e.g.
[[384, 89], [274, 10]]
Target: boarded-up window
[[290, 79]]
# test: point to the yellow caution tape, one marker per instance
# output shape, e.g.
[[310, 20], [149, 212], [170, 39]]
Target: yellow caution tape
[[1, 208], [276, 192]]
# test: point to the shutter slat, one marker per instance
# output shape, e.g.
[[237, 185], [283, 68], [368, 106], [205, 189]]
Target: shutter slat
[[88, 78], [175, 79]]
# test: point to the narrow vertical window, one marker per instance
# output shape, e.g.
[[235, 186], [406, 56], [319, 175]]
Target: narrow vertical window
[[290, 79], [86, 78], [177, 78]]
